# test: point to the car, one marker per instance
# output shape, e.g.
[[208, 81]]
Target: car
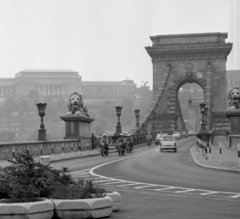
[[192, 133], [168, 142], [177, 135], [159, 137], [184, 134]]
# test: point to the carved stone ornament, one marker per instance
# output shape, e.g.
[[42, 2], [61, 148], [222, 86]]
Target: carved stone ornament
[[189, 69], [76, 105], [234, 99], [199, 74]]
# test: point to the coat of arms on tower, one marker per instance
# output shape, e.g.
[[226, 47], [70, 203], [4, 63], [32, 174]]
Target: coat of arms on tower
[[189, 69]]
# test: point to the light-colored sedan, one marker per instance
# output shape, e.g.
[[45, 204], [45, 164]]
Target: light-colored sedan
[[159, 137], [177, 135], [168, 142]]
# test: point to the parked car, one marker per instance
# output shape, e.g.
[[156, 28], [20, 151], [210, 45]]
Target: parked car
[[159, 137], [168, 142], [177, 135], [184, 134]]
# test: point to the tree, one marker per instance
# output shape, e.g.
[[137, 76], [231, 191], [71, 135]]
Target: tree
[[8, 107], [7, 136], [62, 105], [127, 104], [34, 96]]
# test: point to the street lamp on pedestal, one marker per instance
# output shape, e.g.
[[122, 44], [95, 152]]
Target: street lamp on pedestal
[[118, 127], [42, 136], [204, 134], [137, 116]]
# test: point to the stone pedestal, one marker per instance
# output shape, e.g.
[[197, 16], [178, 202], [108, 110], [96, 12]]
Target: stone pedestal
[[77, 127], [234, 117], [204, 135], [42, 135]]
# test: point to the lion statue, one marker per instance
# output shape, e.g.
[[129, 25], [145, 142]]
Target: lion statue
[[76, 105], [234, 99]]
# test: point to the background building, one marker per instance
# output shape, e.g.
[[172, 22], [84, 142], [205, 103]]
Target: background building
[[52, 83], [233, 79], [108, 89]]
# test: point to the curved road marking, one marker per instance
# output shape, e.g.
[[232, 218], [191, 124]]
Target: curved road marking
[[124, 183]]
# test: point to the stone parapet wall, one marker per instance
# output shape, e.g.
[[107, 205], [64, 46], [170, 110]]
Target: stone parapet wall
[[38, 148], [220, 121]]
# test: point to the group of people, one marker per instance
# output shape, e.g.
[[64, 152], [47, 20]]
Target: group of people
[[103, 140], [201, 143]]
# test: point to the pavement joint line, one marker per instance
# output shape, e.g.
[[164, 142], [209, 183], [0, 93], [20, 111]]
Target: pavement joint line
[[188, 190], [235, 196], [209, 193]]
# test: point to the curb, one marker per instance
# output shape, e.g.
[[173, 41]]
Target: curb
[[201, 164]]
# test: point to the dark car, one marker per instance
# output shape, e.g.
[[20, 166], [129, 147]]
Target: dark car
[[184, 134]]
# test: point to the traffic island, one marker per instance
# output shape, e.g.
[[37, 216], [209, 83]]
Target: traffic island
[[116, 198], [82, 208], [28, 210]]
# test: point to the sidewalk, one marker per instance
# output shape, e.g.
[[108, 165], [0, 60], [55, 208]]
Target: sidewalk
[[227, 161]]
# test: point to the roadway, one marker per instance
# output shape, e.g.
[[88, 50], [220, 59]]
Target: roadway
[[163, 185]]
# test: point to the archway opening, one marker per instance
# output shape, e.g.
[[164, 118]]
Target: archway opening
[[190, 95]]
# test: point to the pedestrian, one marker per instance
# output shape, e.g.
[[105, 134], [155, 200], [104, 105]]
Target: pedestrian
[[93, 141], [99, 139]]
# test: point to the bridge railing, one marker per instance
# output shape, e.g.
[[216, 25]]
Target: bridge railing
[[58, 147], [51, 148], [39, 148]]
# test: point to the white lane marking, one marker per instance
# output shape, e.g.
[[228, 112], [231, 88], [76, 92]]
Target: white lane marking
[[235, 196], [79, 171], [139, 187], [188, 190], [116, 181], [164, 188], [105, 180], [113, 161], [209, 193], [126, 185], [113, 183]]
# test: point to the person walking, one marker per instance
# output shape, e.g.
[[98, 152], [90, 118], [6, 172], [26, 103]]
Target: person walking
[[99, 138], [93, 141]]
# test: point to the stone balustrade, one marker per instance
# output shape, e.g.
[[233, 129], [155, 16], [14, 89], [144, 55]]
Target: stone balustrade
[[41, 148]]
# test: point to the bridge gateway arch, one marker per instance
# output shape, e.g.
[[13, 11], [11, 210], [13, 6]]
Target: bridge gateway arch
[[186, 58]]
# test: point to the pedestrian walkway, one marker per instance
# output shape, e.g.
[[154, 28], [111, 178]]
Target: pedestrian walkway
[[224, 159]]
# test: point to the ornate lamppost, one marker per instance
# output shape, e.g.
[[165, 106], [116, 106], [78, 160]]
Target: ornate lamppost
[[204, 134], [118, 127], [137, 111], [42, 136], [205, 114]]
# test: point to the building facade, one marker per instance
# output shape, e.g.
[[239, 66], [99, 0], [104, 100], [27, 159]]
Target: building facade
[[108, 89], [52, 83], [61, 83]]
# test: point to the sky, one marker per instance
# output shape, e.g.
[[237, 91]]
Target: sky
[[104, 39]]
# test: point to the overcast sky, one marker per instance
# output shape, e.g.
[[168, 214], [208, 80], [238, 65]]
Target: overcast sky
[[104, 39]]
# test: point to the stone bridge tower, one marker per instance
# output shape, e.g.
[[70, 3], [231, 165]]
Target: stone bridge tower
[[186, 58]]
